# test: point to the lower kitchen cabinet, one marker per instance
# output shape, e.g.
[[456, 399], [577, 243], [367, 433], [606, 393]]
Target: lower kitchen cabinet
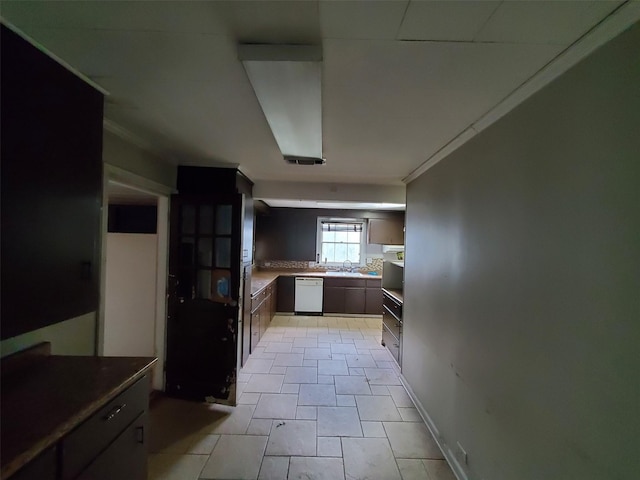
[[286, 293], [262, 311], [352, 295], [392, 325]]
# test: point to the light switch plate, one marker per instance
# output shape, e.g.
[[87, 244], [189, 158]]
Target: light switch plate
[[369, 260], [312, 264]]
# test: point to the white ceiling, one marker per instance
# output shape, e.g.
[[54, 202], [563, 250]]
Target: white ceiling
[[401, 79]]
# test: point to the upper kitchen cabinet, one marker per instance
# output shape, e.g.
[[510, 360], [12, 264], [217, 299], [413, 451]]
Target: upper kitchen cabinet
[[51, 129], [386, 231], [286, 234]]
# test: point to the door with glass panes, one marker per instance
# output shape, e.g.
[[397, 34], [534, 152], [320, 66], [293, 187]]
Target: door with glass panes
[[204, 289]]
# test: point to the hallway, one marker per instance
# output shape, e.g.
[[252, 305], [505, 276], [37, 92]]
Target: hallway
[[320, 398]]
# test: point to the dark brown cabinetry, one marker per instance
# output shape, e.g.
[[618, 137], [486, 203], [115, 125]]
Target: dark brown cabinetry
[[286, 294], [262, 312], [51, 149], [352, 295], [386, 231], [392, 325]]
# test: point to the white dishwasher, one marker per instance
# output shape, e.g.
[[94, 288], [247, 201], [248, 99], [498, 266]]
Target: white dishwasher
[[308, 296]]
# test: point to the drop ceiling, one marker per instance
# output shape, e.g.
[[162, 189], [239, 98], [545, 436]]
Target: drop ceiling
[[401, 79]]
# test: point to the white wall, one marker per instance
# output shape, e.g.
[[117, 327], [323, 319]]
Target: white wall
[[130, 296], [522, 281]]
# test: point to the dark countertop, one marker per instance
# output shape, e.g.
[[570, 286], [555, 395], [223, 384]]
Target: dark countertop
[[260, 279], [46, 400]]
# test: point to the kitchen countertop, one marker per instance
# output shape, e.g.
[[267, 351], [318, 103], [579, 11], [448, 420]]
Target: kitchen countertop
[[45, 400], [262, 278]]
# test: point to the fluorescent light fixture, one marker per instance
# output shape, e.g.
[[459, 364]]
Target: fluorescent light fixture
[[287, 81]]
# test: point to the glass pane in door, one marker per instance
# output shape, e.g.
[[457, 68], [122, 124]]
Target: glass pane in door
[[223, 252], [223, 219]]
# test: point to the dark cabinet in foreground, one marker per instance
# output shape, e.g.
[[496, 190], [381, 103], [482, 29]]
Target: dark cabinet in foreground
[[352, 295]]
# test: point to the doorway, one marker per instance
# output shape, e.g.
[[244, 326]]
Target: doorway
[[132, 319]]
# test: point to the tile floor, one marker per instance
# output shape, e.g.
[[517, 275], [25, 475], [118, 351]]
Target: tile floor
[[320, 398]]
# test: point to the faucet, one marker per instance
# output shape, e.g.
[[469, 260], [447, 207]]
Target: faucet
[[344, 266]]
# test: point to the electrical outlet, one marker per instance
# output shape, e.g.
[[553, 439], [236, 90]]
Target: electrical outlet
[[312, 264], [267, 264], [461, 453], [369, 260]]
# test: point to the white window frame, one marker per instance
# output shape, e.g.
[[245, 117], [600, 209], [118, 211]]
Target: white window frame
[[363, 238]]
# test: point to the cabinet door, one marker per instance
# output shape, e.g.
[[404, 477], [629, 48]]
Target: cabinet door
[[391, 342], [386, 231], [333, 300], [373, 301], [44, 467], [354, 299], [255, 329], [286, 294], [264, 315], [126, 457]]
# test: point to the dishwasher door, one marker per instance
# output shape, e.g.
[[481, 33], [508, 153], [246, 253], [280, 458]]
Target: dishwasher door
[[308, 296]]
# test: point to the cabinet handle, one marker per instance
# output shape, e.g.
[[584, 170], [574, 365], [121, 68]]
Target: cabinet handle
[[114, 411], [140, 432]]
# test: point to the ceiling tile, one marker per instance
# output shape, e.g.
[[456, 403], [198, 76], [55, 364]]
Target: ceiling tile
[[361, 19], [445, 20], [551, 22]]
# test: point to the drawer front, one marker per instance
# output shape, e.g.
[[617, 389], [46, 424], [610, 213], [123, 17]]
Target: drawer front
[[373, 283], [87, 441], [344, 282], [392, 323], [392, 343], [44, 467], [392, 306], [125, 458]]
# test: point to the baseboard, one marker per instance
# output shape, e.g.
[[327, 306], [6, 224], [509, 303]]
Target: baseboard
[[435, 433]]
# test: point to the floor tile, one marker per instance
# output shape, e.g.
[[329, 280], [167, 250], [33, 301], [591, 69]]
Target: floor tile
[[400, 396], [274, 468], [292, 437], [266, 383], [332, 367], [380, 376], [352, 385], [351, 334], [257, 365], [225, 420], [301, 375], [324, 395], [202, 444], [290, 388], [438, 470], [317, 354], [371, 407], [249, 398], [309, 342], [278, 370], [345, 401], [288, 360], [343, 348], [306, 413], [310, 363], [276, 405], [329, 447], [412, 469], [358, 371], [369, 459], [412, 440], [259, 426], [373, 429], [235, 457], [360, 361], [325, 379], [379, 390], [338, 422], [175, 467], [316, 468], [278, 347], [409, 415]]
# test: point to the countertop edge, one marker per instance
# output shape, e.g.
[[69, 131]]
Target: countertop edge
[[277, 273], [24, 458]]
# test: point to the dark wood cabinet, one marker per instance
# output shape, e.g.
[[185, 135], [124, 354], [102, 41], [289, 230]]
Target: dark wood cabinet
[[354, 300], [286, 294], [349, 295], [373, 299], [126, 457], [332, 299], [262, 312], [386, 231], [44, 467], [392, 325], [51, 150]]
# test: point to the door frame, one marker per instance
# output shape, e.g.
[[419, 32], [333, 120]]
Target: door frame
[[113, 174]]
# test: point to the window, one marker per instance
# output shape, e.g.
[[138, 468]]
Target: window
[[340, 240]]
